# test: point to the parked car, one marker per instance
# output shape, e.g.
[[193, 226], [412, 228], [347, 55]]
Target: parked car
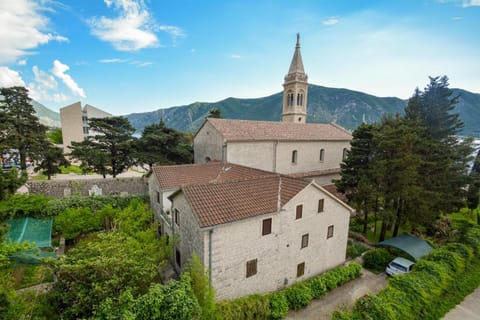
[[399, 266]]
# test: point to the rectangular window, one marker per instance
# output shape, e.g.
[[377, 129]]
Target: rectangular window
[[178, 258], [304, 241], [177, 217], [85, 130], [300, 269], [299, 212], [321, 202], [330, 232], [158, 196], [251, 268], [266, 226]]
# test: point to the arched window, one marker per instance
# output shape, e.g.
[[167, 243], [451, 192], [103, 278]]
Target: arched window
[[322, 155], [290, 99], [294, 156], [345, 154], [300, 99]]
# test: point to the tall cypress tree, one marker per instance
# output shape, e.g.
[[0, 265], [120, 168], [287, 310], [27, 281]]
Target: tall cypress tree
[[445, 156], [357, 181]]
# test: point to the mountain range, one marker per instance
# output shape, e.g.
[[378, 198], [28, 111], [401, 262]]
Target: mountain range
[[345, 107], [46, 116]]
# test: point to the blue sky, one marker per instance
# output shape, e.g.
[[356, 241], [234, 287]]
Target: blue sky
[[127, 56]]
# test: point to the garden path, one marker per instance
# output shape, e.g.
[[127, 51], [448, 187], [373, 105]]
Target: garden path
[[341, 297]]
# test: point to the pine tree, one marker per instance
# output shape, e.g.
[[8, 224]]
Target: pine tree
[[357, 181], [51, 161], [110, 150], [162, 145], [20, 129]]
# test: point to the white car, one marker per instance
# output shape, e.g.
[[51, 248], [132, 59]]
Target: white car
[[399, 266]]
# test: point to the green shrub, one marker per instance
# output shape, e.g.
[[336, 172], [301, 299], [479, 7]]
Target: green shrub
[[247, 308], [24, 205], [453, 260], [56, 206], [377, 259], [355, 249], [278, 305], [298, 296], [73, 222], [317, 286]]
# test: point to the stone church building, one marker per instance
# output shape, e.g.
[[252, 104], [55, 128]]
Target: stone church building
[[258, 206], [292, 146]]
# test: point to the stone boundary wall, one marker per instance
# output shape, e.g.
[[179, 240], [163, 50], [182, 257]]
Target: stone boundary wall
[[86, 187]]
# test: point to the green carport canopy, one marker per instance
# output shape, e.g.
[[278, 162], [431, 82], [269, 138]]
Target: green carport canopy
[[412, 245]]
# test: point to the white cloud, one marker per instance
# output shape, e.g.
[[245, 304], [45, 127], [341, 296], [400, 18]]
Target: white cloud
[[22, 62], [59, 70], [131, 30], [10, 78], [471, 3], [235, 56], [172, 30], [45, 87], [141, 63], [114, 60], [457, 18], [22, 28], [330, 21]]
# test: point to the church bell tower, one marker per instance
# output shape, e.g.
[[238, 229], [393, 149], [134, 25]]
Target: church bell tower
[[295, 89]]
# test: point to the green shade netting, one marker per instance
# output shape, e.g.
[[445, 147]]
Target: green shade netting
[[38, 231], [412, 245]]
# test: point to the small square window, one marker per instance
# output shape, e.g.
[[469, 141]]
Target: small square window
[[330, 232], [304, 241], [299, 212], [266, 226], [321, 203], [251, 268], [300, 269]]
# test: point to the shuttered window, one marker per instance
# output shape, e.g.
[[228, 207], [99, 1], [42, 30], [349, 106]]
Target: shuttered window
[[299, 212], [304, 241], [330, 231], [251, 267], [321, 202], [300, 269], [266, 226]]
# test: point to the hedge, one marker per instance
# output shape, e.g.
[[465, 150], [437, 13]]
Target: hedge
[[277, 304], [431, 289]]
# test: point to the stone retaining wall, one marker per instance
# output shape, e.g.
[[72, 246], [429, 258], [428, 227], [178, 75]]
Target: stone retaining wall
[[83, 187]]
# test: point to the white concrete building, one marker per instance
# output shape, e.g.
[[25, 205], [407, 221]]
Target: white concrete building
[[259, 234], [74, 122]]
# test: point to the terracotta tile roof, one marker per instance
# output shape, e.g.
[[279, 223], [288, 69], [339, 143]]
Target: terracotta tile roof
[[333, 190], [219, 203], [173, 177], [315, 173], [247, 130]]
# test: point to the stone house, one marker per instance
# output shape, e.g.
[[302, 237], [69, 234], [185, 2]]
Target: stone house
[[259, 234], [165, 180]]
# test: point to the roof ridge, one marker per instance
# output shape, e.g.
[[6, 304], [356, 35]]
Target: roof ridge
[[213, 182]]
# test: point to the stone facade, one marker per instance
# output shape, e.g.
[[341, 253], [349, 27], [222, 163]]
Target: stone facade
[[225, 249], [85, 187]]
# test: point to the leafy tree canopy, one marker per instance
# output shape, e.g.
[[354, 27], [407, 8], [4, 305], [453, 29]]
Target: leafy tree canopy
[[162, 145], [109, 150]]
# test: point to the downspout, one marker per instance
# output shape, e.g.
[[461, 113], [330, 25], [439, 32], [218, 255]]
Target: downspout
[[210, 237]]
